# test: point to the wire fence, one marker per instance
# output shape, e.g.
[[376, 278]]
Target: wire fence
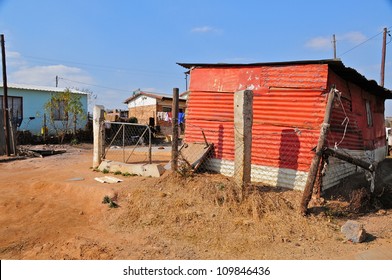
[[127, 142], [278, 158], [275, 155], [281, 156]]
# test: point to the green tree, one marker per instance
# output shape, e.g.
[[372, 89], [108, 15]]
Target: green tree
[[64, 110]]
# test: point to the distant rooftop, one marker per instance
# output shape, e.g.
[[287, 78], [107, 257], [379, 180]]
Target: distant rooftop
[[160, 96]]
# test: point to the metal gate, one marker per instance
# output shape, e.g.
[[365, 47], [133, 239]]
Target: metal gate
[[127, 142]]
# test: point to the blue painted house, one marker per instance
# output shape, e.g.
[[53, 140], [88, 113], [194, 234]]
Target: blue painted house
[[27, 105]]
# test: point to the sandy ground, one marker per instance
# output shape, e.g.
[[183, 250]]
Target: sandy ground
[[51, 208]]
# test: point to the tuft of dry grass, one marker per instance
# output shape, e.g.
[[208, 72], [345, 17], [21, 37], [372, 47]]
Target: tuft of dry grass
[[203, 213]]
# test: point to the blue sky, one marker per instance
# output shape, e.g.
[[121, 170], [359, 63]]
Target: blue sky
[[114, 47]]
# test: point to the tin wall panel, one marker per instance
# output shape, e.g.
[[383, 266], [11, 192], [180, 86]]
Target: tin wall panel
[[231, 79], [289, 106], [358, 135], [344, 130], [286, 119]]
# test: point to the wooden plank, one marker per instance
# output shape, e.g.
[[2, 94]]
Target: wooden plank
[[194, 154]]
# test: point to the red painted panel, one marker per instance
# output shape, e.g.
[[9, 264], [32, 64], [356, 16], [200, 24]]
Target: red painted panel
[[344, 130], [231, 79], [289, 104], [284, 147], [290, 108], [352, 105]]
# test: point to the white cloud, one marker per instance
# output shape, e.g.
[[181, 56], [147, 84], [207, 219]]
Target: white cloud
[[204, 29], [150, 89], [319, 43], [325, 42], [22, 72], [46, 75], [14, 59], [111, 99], [354, 37]]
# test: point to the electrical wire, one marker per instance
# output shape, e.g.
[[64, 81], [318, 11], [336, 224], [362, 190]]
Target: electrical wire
[[360, 44], [83, 83], [390, 37], [102, 67], [345, 122]]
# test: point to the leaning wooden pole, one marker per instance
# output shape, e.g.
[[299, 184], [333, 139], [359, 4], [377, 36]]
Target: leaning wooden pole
[[347, 158], [307, 195]]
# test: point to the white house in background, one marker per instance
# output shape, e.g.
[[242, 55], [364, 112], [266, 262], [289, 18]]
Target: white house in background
[[153, 109], [27, 105]]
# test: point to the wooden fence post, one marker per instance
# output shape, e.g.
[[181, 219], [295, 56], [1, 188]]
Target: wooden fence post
[[98, 118], [175, 107], [243, 121]]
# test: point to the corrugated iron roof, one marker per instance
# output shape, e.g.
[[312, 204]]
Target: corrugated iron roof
[[159, 96], [41, 88], [280, 63], [335, 65]]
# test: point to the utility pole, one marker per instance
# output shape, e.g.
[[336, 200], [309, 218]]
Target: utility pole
[[5, 100], [334, 46], [384, 49]]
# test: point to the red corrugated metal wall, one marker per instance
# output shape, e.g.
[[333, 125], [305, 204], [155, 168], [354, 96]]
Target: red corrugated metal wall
[[358, 135], [289, 104]]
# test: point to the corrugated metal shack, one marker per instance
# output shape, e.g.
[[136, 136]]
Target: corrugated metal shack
[[289, 106]]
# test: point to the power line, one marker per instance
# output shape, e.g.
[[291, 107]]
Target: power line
[[83, 83], [360, 44], [97, 66]]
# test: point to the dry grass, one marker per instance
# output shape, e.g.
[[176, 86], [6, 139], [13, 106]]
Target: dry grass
[[204, 214]]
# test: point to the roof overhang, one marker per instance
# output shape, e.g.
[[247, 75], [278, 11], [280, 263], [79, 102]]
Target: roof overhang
[[42, 88]]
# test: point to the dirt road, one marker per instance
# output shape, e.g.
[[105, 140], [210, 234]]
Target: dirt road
[[51, 208]]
